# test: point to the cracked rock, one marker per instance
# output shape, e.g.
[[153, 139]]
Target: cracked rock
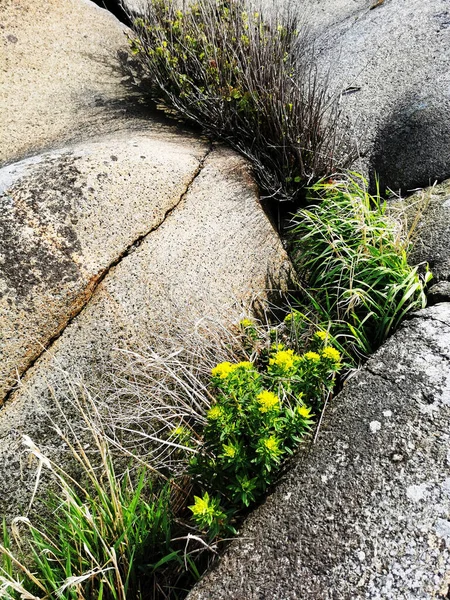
[[66, 217]]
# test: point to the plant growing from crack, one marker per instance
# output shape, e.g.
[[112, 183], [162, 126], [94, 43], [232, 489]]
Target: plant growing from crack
[[120, 535], [245, 79]]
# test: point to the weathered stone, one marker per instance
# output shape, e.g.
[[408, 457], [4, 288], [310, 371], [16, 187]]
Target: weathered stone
[[212, 257], [431, 236], [440, 292], [60, 74], [66, 217], [426, 214], [365, 512], [391, 62]]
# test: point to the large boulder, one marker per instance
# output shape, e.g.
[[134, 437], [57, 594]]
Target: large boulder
[[390, 60], [212, 257], [66, 217], [112, 227], [364, 513]]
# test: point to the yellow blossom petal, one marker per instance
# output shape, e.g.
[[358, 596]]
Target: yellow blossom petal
[[304, 411], [331, 354], [312, 356], [267, 401]]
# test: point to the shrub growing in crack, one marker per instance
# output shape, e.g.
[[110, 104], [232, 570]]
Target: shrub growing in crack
[[244, 79]]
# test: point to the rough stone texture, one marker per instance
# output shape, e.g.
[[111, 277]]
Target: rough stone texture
[[66, 217], [428, 213], [210, 257], [60, 74], [396, 59], [365, 512], [440, 292]]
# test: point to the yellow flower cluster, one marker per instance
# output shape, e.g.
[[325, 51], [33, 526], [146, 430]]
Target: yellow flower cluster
[[246, 323], [215, 413], [284, 359], [179, 431], [304, 412], [312, 356], [271, 443], [229, 450], [331, 354], [245, 364], [222, 370], [267, 401], [321, 335]]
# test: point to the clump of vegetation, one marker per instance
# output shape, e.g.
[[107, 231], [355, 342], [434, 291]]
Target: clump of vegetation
[[105, 535], [137, 534], [353, 258], [244, 79], [259, 417]]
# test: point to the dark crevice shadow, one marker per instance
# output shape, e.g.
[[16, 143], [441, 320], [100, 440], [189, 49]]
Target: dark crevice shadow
[[115, 7], [412, 149]]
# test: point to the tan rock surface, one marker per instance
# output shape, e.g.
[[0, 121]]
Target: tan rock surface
[[66, 217], [209, 258], [60, 74]]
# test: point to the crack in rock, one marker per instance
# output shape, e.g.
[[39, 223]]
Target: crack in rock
[[95, 281]]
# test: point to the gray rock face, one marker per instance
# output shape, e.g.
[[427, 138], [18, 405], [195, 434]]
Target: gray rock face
[[428, 212], [392, 64], [60, 75], [365, 512]]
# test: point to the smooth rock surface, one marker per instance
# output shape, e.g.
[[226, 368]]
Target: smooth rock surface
[[365, 512], [212, 257], [60, 75], [392, 65], [66, 217]]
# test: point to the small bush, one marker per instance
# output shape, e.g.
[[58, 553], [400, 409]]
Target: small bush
[[259, 417], [353, 261], [244, 79]]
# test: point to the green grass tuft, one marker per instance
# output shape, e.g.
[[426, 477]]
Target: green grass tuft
[[354, 264]]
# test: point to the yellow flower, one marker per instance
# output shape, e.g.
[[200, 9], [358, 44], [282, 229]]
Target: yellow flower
[[222, 370], [304, 411], [178, 431], [267, 401], [283, 359], [312, 356], [214, 413], [229, 451], [321, 335], [271, 443], [246, 323], [201, 506], [243, 365], [331, 353]]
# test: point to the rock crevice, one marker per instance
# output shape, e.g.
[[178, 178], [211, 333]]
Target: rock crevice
[[85, 295]]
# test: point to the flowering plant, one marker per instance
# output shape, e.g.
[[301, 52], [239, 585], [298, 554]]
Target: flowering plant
[[262, 411]]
